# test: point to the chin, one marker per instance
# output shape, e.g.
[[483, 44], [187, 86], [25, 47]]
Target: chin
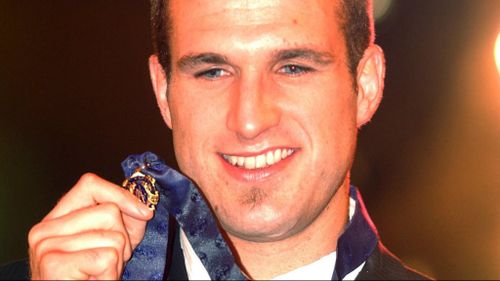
[[257, 228], [261, 235]]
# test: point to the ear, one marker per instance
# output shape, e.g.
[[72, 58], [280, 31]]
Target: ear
[[370, 81], [160, 86]]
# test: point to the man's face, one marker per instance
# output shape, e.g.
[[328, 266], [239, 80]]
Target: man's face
[[262, 110]]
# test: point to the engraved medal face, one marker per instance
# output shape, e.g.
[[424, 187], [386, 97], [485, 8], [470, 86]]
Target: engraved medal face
[[143, 187]]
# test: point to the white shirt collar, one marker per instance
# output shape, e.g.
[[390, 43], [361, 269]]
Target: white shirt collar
[[321, 269]]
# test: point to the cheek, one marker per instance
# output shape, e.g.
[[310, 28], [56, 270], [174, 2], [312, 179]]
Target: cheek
[[327, 114], [329, 120], [338, 134], [338, 123], [195, 123], [185, 129]]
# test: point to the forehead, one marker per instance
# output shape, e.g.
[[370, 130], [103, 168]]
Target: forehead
[[248, 22], [250, 12]]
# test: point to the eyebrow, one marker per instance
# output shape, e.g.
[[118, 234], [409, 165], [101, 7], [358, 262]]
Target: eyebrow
[[192, 60], [322, 58]]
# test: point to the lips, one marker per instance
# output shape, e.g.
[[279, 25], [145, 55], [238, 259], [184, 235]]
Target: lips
[[263, 160]]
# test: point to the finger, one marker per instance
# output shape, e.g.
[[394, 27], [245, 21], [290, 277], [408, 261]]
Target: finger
[[96, 263], [91, 190], [105, 216], [135, 229], [86, 240]]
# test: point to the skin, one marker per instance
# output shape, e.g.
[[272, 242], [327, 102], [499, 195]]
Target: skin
[[279, 85], [90, 233], [236, 89]]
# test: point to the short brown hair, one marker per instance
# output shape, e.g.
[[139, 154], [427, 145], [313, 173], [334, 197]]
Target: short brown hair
[[356, 22]]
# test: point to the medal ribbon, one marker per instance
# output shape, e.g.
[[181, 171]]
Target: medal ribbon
[[181, 199]]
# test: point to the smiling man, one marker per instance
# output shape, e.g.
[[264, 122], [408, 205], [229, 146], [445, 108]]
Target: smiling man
[[264, 114], [264, 99]]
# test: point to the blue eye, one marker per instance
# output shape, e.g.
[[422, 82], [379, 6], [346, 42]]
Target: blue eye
[[211, 73], [294, 70]]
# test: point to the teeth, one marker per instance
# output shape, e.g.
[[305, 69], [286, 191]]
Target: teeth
[[284, 153], [259, 161], [277, 155], [270, 158], [241, 161], [250, 162]]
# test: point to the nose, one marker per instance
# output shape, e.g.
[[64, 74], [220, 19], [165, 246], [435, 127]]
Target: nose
[[253, 109]]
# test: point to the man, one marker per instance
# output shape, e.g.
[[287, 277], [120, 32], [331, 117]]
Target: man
[[264, 99]]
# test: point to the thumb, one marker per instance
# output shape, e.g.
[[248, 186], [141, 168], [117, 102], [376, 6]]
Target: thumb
[[136, 228]]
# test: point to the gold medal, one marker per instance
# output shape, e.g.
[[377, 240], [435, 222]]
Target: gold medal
[[143, 187]]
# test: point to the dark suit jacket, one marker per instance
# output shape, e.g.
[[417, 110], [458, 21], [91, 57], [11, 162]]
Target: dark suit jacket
[[383, 265]]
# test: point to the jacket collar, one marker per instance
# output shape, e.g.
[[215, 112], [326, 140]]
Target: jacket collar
[[358, 240]]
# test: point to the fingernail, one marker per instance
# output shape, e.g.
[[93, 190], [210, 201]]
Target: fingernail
[[143, 210]]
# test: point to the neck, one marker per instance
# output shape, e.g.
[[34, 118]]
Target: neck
[[266, 260]]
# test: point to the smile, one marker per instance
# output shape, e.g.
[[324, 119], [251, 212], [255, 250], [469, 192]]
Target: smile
[[259, 161]]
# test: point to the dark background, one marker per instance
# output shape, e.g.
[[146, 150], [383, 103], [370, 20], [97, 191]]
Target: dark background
[[75, 96]]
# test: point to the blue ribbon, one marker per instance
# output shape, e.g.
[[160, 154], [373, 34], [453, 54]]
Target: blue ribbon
[[180, 198]]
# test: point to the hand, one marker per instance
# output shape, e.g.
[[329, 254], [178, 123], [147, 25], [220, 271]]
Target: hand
[[89, 234]]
